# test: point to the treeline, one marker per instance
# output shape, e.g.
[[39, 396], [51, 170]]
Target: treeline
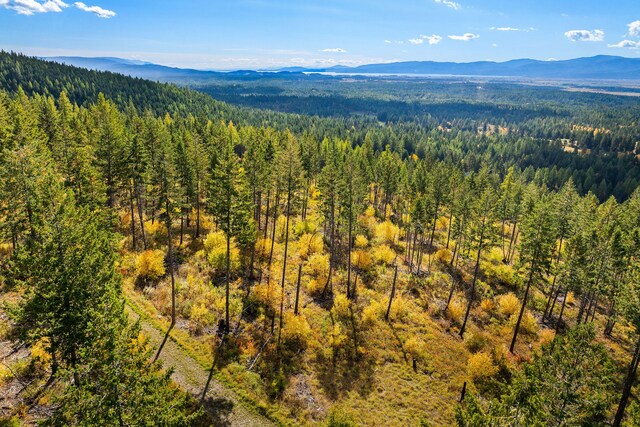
[[440, 128], [65, 170], [62, 263], [532, 111]]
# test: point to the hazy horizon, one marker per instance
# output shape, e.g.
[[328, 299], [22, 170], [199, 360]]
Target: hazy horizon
[[257, 34]]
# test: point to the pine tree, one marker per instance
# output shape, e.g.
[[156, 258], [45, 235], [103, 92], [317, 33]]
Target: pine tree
[[71, 286], [329, 186], [570, 382], [483, 232], [168, 195], [536, 249], [186, 179], [108, 136], [119, 386], [352, 192], [290, 175], [229, 202]]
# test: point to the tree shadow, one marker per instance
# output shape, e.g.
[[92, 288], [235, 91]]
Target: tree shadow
[[218, 411], [339, 375]]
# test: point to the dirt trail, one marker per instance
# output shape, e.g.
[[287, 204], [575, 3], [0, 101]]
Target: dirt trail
[[223, 404]]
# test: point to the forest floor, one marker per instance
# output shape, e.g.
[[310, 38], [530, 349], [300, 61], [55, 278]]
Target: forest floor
[[223, 404]]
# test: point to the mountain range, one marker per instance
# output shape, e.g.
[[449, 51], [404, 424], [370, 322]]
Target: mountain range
[[601, 67]]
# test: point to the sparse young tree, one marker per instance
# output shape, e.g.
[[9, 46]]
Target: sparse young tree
[[536, 248], [229, 202]]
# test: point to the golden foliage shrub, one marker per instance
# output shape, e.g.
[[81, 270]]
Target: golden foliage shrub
[[361, 241], [201, 316], [383, 254], [155, 229], [443, 256], [341, 306], [5, 250], [369, 223], [508, 304], [487, 305], [443, 223], [317, 266], [296, 331], [265, 294], [456, 309], [310, 244], [314, 286], [361, 260], [498, 273], [529, 323], [480, 366], [263, 247], [215, 246], [308, 226], [40, 353], [281, 226], [545, 336], [373, 312], [150, 264], [399, 307], [387, 232], [338, 337], [416, 347]]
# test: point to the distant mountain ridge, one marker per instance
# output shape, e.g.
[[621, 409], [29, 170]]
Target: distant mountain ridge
[[595, 67], [601, 67]]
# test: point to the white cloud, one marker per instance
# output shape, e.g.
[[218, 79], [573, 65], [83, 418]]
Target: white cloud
[[526, 30], [29, 7], [451, 4], [432, 39], [335, 50], [634, 29], [627, 43], [97, 10], [585, 35], [465, 37], [394, 42]]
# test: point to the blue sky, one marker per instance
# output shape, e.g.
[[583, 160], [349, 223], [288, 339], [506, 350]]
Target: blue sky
[[234, 34]]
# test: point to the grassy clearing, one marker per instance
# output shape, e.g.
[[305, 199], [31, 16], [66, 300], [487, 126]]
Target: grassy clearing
[[341, 358]]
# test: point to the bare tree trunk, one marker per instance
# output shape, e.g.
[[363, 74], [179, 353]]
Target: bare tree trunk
[[349, 255], [173, 290], [451, 290], [181, 226], [141, 217], [628, 384], [449, 228], [583, 305], [393, 292], [514, 236], [564, 303], [295, 309], [284, 264], [473, 289], [266, 216], [198, 211], [273, 228], [133, 219], [524, 304], [553, 284]]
